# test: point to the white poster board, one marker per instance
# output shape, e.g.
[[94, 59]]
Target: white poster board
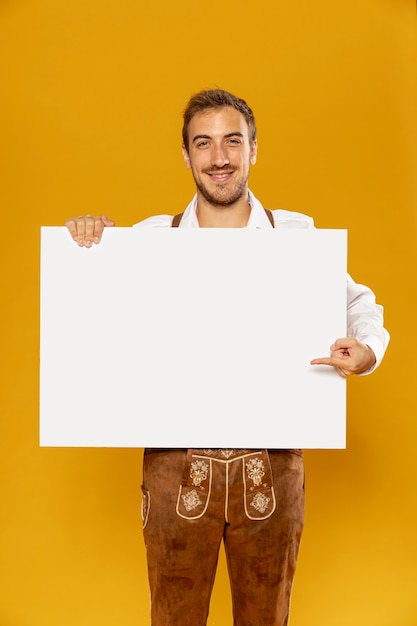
[[192, 338]]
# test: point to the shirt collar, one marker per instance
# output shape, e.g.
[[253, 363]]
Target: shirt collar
[[257, 218]]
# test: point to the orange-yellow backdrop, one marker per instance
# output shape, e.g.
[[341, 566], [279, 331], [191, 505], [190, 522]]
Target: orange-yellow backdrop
[[92, 94]]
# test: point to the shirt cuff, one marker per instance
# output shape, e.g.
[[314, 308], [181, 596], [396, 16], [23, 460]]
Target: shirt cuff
[[377, 348]]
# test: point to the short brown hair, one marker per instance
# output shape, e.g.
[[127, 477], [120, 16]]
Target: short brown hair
[[215, 99]]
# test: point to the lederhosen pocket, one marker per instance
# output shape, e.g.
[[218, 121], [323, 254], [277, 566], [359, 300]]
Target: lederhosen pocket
[[259, 496], [195, 489]]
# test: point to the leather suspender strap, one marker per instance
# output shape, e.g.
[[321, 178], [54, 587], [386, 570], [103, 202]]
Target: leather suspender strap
[[270, 217], [177, 219]]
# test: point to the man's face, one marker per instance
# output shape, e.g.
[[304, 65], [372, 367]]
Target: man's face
[[220, 155]]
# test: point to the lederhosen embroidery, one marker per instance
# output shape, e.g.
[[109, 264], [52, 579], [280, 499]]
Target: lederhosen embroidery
[[224, 453]]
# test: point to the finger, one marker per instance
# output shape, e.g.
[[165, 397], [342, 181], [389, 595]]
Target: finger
[[80, 226], [89, 225], [72, 227], [107, 221], [99, 224], [344, 342], [336, 362], [341, 352], [326, 360]]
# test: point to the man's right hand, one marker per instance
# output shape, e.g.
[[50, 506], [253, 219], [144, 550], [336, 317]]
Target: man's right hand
[[86, 230]]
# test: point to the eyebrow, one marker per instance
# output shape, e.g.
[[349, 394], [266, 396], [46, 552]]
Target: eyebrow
[[233, 134]]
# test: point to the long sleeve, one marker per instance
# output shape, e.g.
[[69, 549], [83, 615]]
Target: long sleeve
[[365, 319]]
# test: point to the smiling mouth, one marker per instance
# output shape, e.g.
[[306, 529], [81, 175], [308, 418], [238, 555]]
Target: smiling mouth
[[222, 176]]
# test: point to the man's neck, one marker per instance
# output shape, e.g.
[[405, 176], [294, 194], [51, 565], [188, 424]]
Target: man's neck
[[217, 216]]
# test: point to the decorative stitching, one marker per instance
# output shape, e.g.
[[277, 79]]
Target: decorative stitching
[[186, 500], [146, 506], [198, 472], [256, 471], [225, 452], [260, 502], [263, 504], [191, 500]]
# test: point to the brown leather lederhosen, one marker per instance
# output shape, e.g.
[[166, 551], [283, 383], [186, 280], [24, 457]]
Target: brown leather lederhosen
[[252, 500]]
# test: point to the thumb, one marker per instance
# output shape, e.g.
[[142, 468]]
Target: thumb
[[107, 221]]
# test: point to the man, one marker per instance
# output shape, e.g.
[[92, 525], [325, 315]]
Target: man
[[250, 499]]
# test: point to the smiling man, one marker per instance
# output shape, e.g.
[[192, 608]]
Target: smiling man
[[250, 499]]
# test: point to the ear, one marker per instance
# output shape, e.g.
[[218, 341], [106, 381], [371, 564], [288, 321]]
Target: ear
[[186, 157], [253, 152]]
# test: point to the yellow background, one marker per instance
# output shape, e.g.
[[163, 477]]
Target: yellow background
[[91, 98]]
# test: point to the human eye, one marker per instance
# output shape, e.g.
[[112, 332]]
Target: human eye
[[201, 144], [234, 141]]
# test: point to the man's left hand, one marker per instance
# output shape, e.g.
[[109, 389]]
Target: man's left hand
[[348, 356]]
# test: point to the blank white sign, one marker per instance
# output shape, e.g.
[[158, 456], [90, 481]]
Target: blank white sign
[[192, 338]]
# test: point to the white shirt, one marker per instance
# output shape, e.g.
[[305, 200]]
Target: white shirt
[[364, 315]]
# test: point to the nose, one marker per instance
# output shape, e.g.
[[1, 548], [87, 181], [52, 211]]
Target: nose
[[219, 156]]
